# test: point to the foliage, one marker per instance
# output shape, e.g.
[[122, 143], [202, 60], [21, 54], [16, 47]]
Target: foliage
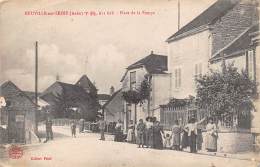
[[63, 104], [132, 97], [226, 91], [145, 89], [139, 95]]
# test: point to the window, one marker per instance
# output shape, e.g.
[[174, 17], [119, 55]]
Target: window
[[177, 74], [133, 80], [251, 64], [198, 70]]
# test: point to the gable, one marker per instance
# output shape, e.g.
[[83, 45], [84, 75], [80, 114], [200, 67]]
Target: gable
[[207, 17], [17, 97], [86, 84]]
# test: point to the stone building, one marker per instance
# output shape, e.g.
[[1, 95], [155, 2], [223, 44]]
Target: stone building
[[222, 29], [154, 68], [113, 109], [18, 115]]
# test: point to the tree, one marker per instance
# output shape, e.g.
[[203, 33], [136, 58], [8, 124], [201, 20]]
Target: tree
[[132, 97], [225, 92], [139, 95]]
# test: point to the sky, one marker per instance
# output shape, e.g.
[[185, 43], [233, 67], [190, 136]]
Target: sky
[[100, 46]]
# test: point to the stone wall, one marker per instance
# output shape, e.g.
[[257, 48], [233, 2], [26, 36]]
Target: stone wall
[[233, 142]]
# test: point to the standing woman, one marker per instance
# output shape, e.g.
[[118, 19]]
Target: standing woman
[[211, 137], [130, 132], [176, 133], [157, 135], [118, 130], [149, 132]]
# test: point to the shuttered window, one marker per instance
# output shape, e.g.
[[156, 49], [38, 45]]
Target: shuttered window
[[198, 70], [251, 65], [133, 80], [177, 74]]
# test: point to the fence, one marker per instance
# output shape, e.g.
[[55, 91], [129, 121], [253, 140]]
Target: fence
[[168, 115], [235, 121]]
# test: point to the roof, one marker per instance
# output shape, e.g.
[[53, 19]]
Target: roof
[[103, 97], [112, 97], [154, 64], [239, 45], [209, 16], [18, 89], [31, 94], [73, 90], [85, 83], [69, 90]]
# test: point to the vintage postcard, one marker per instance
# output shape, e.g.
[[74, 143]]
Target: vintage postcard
[[140, 83]]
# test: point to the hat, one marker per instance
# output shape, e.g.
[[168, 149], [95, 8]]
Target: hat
[[148, 118]]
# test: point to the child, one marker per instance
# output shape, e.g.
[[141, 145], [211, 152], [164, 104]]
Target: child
[[140, 133], [73, 129], [167, 141]]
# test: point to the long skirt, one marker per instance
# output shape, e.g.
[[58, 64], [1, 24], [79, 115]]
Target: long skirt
[[158, 143], [199, 139], [184, 140], [211, 142], [118, 136], [130, 136], [149, 138]]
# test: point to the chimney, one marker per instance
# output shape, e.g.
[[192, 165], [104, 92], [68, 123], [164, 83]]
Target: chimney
[[112, 90], [57, 77]]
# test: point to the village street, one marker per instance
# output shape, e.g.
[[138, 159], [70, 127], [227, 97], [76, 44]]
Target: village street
[[87, 150]]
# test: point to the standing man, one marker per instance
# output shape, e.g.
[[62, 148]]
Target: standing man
[[48, 126], [102, 127], [73, 129]]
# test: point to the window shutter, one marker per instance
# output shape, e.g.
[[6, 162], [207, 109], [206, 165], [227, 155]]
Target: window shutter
[[251, 64], [179, 77]]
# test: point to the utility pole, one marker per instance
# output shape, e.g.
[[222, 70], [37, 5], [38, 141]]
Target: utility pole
[[36, 86], [178, 14]]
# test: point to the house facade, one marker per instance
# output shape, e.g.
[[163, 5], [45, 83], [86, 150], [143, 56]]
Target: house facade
[[113, 109], [152, 68], [18, 115], [221, 31], [206, 36]]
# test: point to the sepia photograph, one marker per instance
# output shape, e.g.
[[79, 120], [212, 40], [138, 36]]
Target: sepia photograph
[[119, 83]]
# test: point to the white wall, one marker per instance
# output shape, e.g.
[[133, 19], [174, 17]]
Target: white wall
[[239, 62], [185, 53], [140, 73], [161, 90]]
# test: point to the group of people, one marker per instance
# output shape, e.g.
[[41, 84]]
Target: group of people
[[150, 134]]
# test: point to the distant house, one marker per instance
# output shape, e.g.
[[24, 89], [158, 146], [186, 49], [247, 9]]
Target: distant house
[[65, 98], [114, 107], [154, 68], [103, 98], [19, 116], [87, 85]]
